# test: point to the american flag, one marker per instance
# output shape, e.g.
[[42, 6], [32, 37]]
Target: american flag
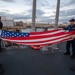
[[37, 38]]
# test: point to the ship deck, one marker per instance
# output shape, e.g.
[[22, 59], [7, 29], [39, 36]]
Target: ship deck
[[31, 62]]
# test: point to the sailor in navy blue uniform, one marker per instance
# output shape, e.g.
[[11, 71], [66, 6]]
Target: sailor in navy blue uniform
[[1, 25], [71, 43]]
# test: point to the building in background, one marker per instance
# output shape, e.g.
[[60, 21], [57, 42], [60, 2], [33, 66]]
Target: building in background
[[19, 23], [7, 21]]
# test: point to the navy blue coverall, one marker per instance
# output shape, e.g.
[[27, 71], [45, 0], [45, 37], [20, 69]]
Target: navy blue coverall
[[72, 42], [1, 25]]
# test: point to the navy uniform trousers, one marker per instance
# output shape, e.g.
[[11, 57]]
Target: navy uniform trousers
[[0, 45], [72, 44]]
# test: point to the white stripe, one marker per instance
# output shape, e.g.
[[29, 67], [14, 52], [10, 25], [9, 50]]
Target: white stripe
[[44, 34], [37, 40]]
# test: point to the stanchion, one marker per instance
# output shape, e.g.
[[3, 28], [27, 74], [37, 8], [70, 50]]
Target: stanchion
[[45, 50]]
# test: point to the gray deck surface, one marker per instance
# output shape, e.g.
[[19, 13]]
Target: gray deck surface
[[30, 62]]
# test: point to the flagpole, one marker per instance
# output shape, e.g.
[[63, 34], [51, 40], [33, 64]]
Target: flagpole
[[33, 15], [56, 20], [57, 14]]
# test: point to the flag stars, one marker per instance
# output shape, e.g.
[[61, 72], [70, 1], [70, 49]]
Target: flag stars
[[13, 34], [26, 34], [22, 34], [10, 34], [17, 33], [5, 33]]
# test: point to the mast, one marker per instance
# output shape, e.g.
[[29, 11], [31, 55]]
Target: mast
[[33, 15]]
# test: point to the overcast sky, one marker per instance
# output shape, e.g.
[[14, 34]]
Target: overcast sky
[[22, 10]]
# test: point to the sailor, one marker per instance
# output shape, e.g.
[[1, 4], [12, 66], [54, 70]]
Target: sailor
[[1, 25], [71, 43]]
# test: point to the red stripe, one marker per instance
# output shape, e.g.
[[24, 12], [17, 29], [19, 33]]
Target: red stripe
[[43, 32]]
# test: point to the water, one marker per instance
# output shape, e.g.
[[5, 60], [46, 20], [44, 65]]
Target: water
[[38, 29], [26, 30]]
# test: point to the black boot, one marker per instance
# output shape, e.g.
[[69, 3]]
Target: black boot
[[72, 68], [73, 56], [1, 69], [0, 49], [67, 53]]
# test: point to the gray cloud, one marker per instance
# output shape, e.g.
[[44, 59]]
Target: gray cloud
[[43, 3], [46, 20], [46, 4], [39, 13], [16, 16], [5, 10], [28, 2], [71, 2], [2, 6], [3, 13], [66, 15], [8, 0], [70, 12], [67, 3]]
